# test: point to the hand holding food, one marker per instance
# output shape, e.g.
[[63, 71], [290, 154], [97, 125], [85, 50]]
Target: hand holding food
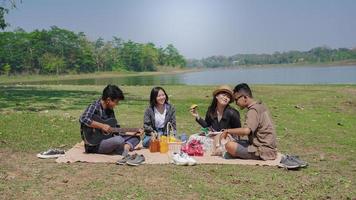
[[193, 110]]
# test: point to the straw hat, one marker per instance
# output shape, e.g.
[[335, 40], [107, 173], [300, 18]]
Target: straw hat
[[226, 89]]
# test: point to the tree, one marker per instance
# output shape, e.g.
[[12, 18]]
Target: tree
[[149, 57], [98, 53], [172, 57], [3, 11], [3, 23], [51, 63], [62, 51], [6, 69]]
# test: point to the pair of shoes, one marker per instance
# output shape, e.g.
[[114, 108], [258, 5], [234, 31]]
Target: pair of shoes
[[138, 160], [288, 163], [297, 160], [126, 158], [183, 159], [51, 153]]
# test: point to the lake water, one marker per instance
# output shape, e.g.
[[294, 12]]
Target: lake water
[[255, 75]]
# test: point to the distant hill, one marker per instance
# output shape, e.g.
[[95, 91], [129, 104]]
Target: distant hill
[[313, 56]]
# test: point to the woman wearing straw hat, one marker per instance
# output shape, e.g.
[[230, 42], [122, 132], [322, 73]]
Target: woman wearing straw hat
[[219, 115]]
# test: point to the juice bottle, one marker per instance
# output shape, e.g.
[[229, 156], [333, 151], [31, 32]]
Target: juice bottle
[[163, 144]]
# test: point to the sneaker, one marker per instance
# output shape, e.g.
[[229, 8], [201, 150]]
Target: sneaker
[[288, 163], [139, 159], [191, 161], [126, 158], [298, 160], [178, 159], [51, 153]]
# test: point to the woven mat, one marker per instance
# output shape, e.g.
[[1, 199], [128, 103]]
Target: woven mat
[[77, 154]]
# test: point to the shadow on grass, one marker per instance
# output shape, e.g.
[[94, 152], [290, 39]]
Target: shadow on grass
[[37, 99]]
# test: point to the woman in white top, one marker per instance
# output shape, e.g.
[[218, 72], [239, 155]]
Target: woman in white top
[[157, 115]]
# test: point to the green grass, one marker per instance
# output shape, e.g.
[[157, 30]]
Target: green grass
[[35, 118], [26, 79]]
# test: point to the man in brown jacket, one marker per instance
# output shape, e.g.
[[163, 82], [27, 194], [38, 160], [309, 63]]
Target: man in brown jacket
[[258, 126]]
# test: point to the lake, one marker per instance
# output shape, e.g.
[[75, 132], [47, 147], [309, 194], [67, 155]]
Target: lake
[[254, 75]]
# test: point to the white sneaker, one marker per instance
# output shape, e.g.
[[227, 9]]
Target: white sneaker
[[179, 160], [191, 161]]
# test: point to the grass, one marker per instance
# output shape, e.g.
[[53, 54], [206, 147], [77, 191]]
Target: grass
[[25, 79], [316, 122]]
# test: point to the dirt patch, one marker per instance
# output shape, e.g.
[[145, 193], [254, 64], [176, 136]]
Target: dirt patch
[[349, 91], [348, 106]]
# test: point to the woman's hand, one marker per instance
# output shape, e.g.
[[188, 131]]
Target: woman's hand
[[194, 113]]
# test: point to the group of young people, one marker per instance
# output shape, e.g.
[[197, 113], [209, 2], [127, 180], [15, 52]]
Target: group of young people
[[259, 141]]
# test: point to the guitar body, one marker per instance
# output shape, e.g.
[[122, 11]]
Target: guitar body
[[93, 136]]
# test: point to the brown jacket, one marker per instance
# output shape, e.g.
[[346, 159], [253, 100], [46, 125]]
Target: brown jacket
[[262, 138]]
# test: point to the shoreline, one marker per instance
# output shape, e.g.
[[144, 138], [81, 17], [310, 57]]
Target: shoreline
[[35, 78], [28, 79], [334, 64]]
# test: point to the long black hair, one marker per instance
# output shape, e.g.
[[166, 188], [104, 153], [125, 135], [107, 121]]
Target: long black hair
[[154, 94], [212, 107]]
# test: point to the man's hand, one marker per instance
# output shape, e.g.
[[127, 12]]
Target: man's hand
[[224, 134], [106, 128], [140, 132]]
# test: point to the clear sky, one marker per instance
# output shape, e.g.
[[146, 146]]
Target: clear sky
[[200, 28]]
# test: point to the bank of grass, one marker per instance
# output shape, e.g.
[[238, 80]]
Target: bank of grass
[[316, 122], [27, 79]]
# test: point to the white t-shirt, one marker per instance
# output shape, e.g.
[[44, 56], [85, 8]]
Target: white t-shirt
[[159, 118]]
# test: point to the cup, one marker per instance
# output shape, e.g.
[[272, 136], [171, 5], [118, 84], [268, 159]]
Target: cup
[[184, 137]]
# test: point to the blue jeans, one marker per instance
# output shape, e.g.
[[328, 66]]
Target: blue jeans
[[146, 141], [147, 138]]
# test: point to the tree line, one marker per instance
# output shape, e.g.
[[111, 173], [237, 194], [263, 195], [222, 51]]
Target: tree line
[[313, 56], [61, 51]]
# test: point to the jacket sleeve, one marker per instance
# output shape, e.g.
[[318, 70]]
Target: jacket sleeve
[[147, 122], [204, 123], [235, 119], [86, 117], [173, 119]]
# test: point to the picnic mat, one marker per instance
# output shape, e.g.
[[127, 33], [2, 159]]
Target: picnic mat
[[77, 154]]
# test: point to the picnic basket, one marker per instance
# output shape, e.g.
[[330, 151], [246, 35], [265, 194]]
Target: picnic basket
[[174, 144]]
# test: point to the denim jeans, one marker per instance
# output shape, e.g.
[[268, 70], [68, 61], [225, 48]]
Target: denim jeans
[[147, 138], [146, 141]]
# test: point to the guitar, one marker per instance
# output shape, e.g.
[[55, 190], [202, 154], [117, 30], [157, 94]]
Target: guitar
[[93, 136]]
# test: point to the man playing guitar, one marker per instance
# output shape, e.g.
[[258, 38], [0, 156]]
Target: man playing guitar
[[98, 123]]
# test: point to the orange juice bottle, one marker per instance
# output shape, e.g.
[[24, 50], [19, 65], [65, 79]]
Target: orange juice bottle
[[163, 144]]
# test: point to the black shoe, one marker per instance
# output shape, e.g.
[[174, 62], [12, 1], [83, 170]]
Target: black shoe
[[126, 158], [288, 163], [139, 159], [51, 153], [298, 160]]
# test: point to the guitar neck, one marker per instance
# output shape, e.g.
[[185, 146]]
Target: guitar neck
[[125, 131]]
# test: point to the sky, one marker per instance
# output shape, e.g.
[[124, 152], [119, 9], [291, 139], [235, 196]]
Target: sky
[[200, 28]]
